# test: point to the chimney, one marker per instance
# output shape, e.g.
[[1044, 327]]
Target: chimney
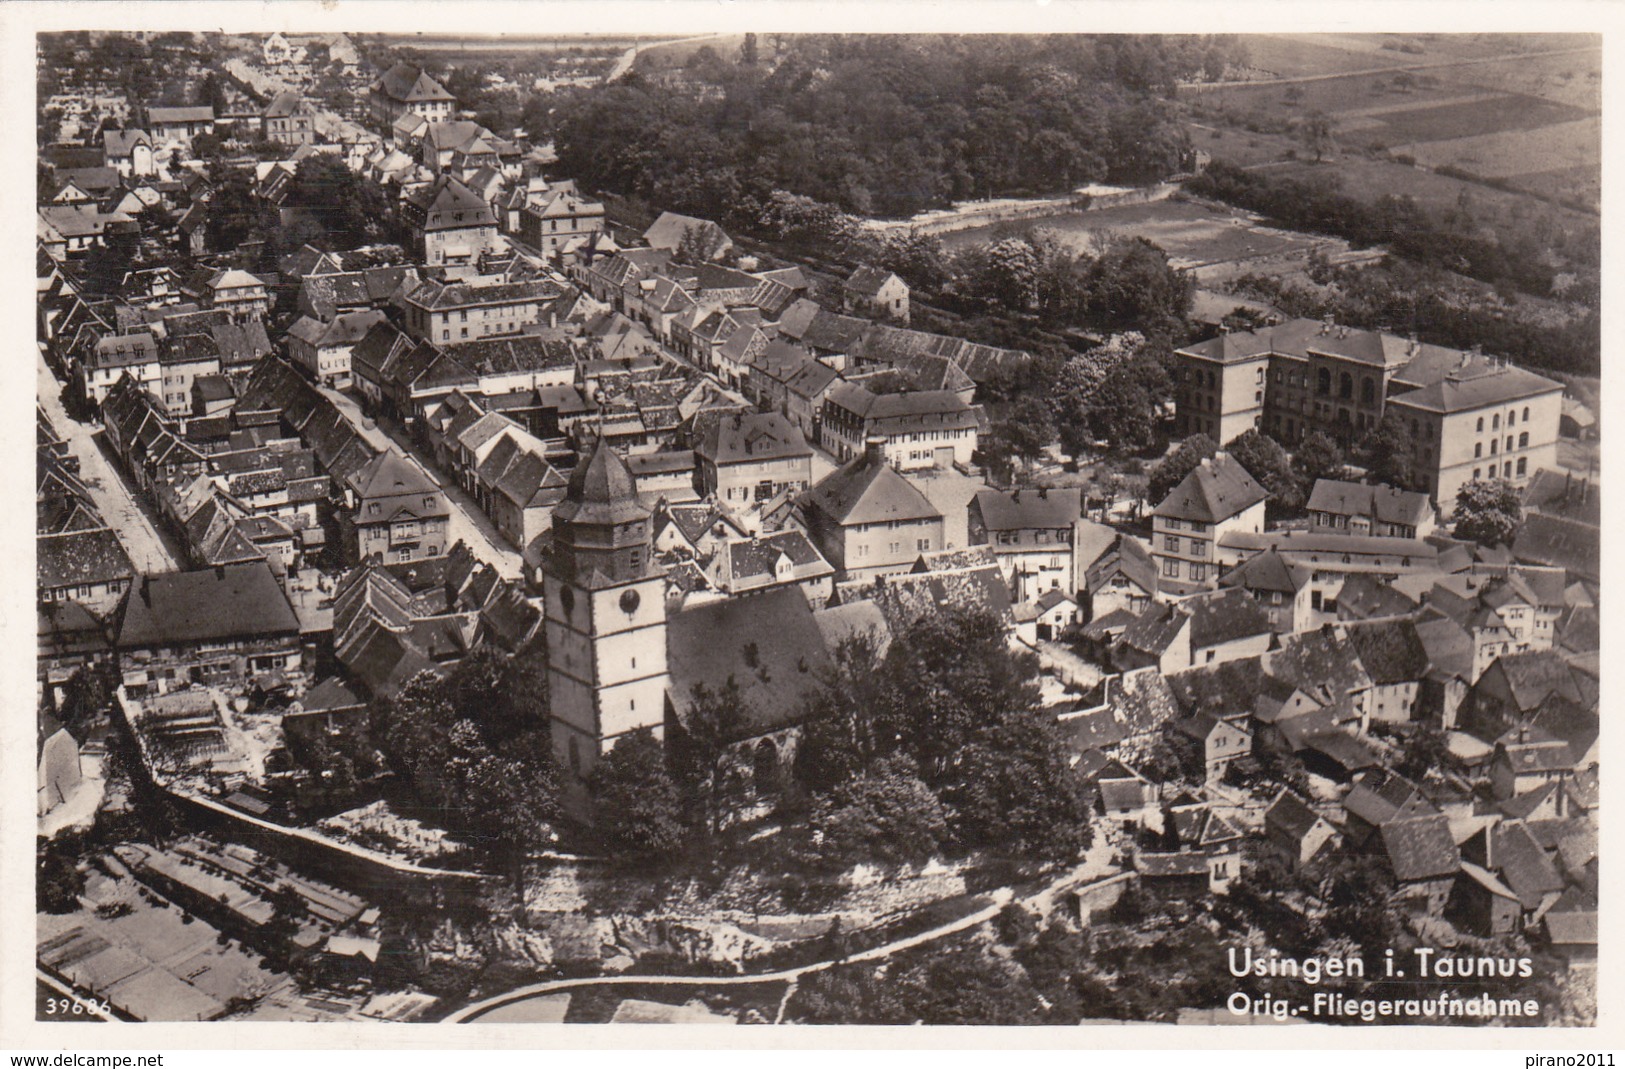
[[874, 449]]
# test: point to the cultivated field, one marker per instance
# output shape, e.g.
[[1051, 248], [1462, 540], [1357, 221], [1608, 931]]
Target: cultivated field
[[1495, 107]]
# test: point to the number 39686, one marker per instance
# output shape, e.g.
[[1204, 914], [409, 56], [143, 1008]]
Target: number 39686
[[75, 1007]]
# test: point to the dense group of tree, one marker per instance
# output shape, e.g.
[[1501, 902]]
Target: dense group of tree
[[1540, 261], [937, 745], [887, 124], [473, 747], [1402, 296]]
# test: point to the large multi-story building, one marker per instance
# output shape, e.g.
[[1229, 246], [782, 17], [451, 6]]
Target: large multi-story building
[[451, 226], [867, 520], [456, 313], [920, 429], [1216, 499], [749, 457], [1466, 412], [405, 88], [559, 216], [400, 514], [1036, 536]]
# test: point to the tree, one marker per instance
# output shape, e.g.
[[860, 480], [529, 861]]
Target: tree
[[1315, 131], [1122, 412], [1171, 470], [1387, 454], [945, 679], [839, 736], [1026, 430], [1013, 788], [233, 211], [351, 209], [711, 778], [1267, 462], [1488, 511], [969, 985], [637, 805], [886, 815], [57, 874], [1318, 457], [1422, 752], [1132, 287], [698, 245]]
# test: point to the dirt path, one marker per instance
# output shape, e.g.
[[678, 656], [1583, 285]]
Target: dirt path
[[1001, 898], [1095, 863]]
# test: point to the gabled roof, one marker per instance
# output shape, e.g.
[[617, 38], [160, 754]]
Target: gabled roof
[[1421, 848], [391, 475], [1291, 815], [767, 642], [1155, 629], [1225, 617], [751, 438], [1215, 490], [667, 232], [868, 281], [1033, 508], [1269, 572], [80, 558], [407, 84], [1318, 659], [1479, 386], [1391, 651], [865, 491], [1381, 796], [232, 601], [1559, 542], [1523, 865], [1380, 502]]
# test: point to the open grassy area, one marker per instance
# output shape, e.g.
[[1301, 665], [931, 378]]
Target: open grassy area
[[1191, 233], [1469, 118]]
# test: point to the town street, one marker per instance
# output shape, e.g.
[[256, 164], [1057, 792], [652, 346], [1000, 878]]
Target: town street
[[142, 538], [468, 523]]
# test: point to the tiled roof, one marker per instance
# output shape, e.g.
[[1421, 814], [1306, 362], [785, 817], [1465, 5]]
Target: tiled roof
[[868, 280], [1563, 543], [1225, 617], [1421, 848], [410, 85], [1032, 508], [80, 558], [864, 491], [768, 643], [1477, 387], [234, 601], [1215, 490], [1523, 864], [1290, 815], [1268, 571], [1383, 503], [751, 438], [1391, 651]]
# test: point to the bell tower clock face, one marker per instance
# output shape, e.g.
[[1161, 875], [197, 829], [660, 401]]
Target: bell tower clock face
[[629, 602]]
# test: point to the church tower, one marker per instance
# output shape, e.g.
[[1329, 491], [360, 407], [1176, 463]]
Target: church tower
[[605, 619]]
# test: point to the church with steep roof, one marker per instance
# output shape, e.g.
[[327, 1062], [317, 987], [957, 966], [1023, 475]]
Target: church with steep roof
[[618, 661]]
